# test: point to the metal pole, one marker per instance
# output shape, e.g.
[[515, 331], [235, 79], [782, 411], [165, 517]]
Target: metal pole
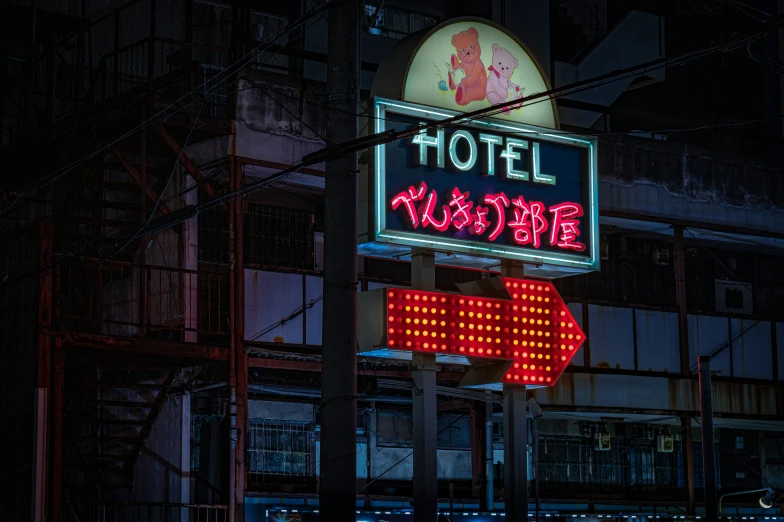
[[241, 358], [489, 470], [232, 357], [680, 299], [515, 437], [706, 420], [515, 453], [338, 478], [423, 277], [688, 463], [451, 502], [536, 464], [41, 412]]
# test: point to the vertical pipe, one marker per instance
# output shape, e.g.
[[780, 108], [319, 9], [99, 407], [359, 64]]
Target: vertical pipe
[[489, 469], [451, 502], [44, 355], [424, 406], [536, 466], [708, 455], [58, 389], [241, 357], [44, 348], [143, 300], [41, 412], [478, 482], [338, 480], [688, 463], [515, 436], [151, 57], [116, 59], [680, 299], [232, 358]]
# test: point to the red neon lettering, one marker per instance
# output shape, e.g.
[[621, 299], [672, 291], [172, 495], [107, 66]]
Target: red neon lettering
[[407, 198], [565, 228], [528, 225], [499, 202], [426, 213], [480, 223], [461, 216], [527, 231]]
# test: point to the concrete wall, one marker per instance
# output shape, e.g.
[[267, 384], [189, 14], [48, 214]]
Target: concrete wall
[[162, 472], [397, 463]]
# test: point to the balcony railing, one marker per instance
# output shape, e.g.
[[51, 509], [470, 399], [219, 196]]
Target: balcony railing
[[143, 512], [176, 304]]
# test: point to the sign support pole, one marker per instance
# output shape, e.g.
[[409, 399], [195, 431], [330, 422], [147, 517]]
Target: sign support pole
[[423, 277], [515, 435]]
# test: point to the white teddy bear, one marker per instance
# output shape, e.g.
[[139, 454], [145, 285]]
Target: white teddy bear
[[499, 86]]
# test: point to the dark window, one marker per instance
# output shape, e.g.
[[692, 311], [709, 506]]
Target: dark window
[[278, 237], [397, 429], [395, 23], [454, 431]]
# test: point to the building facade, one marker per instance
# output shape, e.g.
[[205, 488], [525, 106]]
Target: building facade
[[139, 324]]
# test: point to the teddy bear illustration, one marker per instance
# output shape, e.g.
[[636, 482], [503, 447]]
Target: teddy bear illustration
[[472, 86], [499, 86]]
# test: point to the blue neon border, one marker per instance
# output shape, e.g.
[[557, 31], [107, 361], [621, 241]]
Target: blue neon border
[[384, 235]]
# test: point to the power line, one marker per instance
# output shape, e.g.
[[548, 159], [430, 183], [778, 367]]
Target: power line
[[366, 142], [168, 180], [164, 113]]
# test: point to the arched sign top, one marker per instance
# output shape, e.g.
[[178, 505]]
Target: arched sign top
[[467, 64]]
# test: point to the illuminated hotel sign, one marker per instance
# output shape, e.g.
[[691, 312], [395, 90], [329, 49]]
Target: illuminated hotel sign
[[488, 187], [526, 327]]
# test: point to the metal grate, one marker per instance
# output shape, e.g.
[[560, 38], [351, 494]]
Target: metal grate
[[696, 460], [280, 450], [277, 237], [630, 463], [213, 236]]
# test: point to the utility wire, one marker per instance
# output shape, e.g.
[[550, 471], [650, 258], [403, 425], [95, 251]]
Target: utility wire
[[164, 113], [338, 150], [168, 180]]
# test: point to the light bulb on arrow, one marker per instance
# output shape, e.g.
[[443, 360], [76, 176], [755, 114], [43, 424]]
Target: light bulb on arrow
[[530, 327]]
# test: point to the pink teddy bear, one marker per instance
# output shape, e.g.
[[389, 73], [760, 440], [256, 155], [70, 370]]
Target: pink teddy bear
[[499, 86]]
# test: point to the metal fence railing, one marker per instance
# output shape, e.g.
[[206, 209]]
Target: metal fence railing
[[142, 512], [630, 463], [102, 296], [280, 451]]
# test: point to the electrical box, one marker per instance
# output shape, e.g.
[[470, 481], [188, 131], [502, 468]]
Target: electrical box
[[661, 256], [665, 443], [602, 442]]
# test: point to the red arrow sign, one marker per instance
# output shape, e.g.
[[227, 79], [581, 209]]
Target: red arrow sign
[[533, 328]]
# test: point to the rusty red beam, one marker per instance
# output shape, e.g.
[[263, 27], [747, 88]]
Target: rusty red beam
[[57, 433], [457, 404], [314, 366], [140, 346], [137, 177], [44, 359], [189, 165]]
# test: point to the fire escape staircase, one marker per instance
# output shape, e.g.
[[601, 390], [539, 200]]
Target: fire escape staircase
[[113, 405]]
